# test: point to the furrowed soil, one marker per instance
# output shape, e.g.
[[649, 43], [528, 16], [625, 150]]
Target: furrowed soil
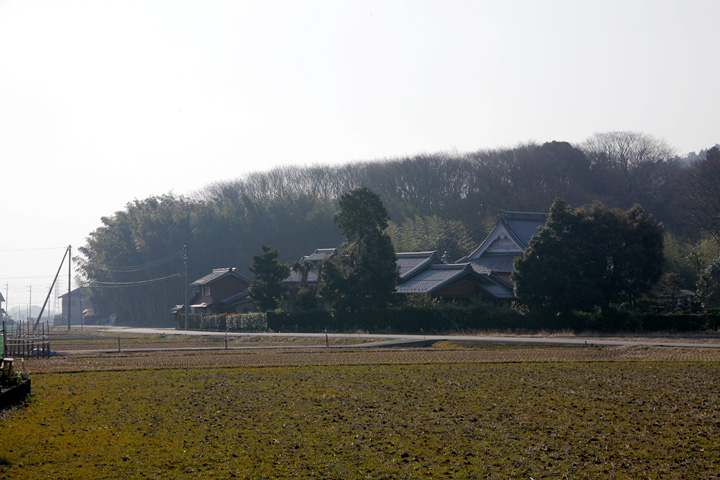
[[444, 412]]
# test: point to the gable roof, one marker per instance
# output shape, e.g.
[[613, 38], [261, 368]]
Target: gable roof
[[409, 263], [315, 259], [296, 276], [217, 274], [319, 255], [73, 293], [495, 262], [434, 277], [511, 235], [236, 298]]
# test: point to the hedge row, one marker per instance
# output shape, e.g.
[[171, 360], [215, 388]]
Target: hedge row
[[615, 320], [233, 322], [446, 318]]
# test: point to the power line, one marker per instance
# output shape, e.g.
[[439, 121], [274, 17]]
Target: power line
[[134, 268], [31, 249], [5, 279], [130, 284]]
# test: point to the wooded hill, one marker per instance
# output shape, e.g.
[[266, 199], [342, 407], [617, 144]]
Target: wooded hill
[[442, 201]]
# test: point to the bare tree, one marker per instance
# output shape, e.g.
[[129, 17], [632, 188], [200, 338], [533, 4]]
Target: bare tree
[[631, 167], [625, 150], [701, 194]]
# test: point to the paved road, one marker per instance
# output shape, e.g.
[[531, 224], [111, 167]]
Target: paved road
[[387, 340]]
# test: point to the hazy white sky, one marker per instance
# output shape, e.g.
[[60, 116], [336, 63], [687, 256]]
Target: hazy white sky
[[105, 101]]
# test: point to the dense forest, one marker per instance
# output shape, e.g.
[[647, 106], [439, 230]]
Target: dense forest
[[134, 261]]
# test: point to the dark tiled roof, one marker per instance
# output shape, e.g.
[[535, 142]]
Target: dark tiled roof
[[499, 290], [433, 277], [494, 262], [409, 263], [235, 298], [436, 276], [503, 278], [296, 277], [500, 277], [315, 259], [480, 269], [319, 254], [217, 274], [522, 225]]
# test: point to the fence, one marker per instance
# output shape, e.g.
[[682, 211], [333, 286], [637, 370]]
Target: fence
[[19, 340]]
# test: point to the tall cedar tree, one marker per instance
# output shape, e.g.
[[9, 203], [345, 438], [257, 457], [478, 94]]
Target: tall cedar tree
[[589, 257], [267, 287], [363, 274]]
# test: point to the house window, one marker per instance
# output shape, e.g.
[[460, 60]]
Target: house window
[[206, 290]]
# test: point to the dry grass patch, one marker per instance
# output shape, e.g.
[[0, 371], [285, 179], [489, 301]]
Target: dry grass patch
[[700, 337], [100, 339]]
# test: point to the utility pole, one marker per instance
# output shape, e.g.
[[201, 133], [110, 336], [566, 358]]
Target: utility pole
[[58, 306], [186, 307], [54, 284], [69, 285]]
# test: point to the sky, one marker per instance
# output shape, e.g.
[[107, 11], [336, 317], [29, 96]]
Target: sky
[[104, 102]]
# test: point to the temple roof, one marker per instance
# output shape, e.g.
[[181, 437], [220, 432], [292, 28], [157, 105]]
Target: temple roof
[[434, 277], [409, 262], [510, 237]]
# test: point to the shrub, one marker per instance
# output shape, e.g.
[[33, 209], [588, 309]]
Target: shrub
[[247, 322], [250, 322]]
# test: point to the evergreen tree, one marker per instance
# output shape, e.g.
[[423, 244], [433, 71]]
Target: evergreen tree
[[363, 274], [589, 257], [267, 287]]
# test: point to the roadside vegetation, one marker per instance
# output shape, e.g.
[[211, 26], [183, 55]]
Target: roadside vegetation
[[102, 339]]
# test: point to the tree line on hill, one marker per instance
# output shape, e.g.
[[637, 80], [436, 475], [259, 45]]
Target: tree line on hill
[[133, 262]]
